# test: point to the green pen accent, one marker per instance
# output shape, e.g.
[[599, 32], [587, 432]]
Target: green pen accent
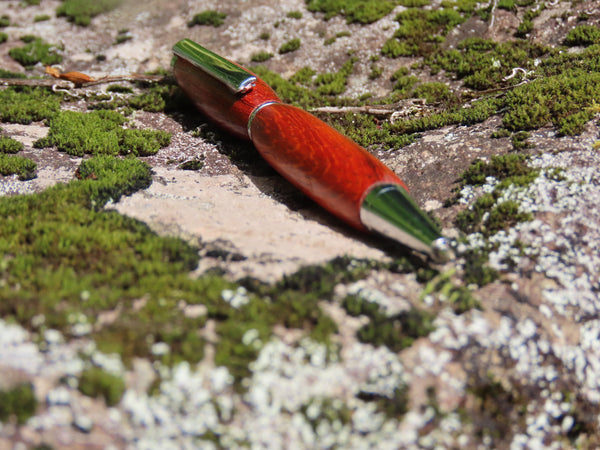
[[237, 79], [389, 210]]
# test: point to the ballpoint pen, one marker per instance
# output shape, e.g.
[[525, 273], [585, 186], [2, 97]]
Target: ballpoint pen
[[327, 166]]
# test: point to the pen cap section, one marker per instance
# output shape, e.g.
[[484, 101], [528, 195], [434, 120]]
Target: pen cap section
[[214, 98], [326, 165]]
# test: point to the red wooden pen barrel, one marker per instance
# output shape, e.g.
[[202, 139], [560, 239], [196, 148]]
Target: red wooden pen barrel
[[327, 166], [229, 110]]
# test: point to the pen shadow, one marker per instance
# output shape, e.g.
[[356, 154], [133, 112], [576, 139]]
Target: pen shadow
[[244, 156]]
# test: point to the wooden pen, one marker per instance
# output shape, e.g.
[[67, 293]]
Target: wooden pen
[[327, 166]]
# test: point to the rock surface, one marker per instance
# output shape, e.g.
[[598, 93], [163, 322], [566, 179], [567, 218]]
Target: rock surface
[[522, 372]]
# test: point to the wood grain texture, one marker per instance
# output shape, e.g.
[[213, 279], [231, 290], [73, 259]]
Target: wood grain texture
[[228, 110], [330, 168]]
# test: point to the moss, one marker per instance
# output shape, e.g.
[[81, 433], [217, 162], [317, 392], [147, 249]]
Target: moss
[[123, 37], [398, 331], [500, 133], [476, 112], [4, 21], [526, 25], [330, 411], [501, 167], [376, 72], [367, 11], [96, 382], [369, 132], [356, 306], [476, 271], [403, 81], [334, 83], [209, 17], [290, 46], [567, 100], [459, 297], [36, 51], [3, 37], [73, 254], [81, 12], [519, 140], [394, 406], [433, 92], [100, 132], [303, 76], [27, 105], [18, 403], [119, 89], [17, 165], [41, 18], [495, 409], [483, 64], [289, 90], [193, 164], [9, 145], [261, 56], [160, 98], [294, 15], [421, 30]]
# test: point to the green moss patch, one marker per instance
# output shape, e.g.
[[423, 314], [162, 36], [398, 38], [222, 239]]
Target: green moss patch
[[483, 64], [18, 403], [62, 255], [486, 215], [367, 11], [36, 50], [9, 145], [457, 296], [568, 100], [290, 46], [95, 382], [500, 167], [583, 35], [28, 105], [308, 89], [421, 30], [17, 165], [100, 132], [210, 17], [81, 12], [396, 332]]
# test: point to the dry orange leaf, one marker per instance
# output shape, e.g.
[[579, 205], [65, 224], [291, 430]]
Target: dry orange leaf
[[74, 77]]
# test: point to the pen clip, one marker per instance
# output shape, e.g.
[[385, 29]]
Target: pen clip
[[237, 79]]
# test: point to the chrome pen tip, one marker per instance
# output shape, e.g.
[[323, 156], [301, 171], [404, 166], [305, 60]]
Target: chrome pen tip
[[389, 210]]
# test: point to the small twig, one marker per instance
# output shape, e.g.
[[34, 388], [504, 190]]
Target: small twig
[[493, 10], [40, 82], [373, 110]]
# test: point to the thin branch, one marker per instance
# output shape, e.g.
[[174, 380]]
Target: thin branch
[[372, 110], [65, 84]]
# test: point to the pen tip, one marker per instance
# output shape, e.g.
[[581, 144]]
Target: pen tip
[[389, 210]]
